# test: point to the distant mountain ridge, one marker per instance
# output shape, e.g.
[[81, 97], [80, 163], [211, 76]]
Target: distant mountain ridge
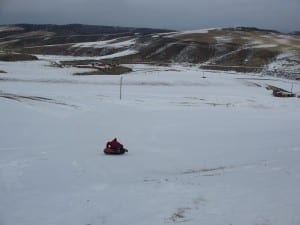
[[295, 33], [80, 29], [244, 49]]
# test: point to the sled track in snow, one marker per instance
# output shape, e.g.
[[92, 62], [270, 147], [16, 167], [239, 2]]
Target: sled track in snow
[[21, 98]]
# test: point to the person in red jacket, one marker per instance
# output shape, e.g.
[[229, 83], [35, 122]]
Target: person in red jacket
[[115, 145]]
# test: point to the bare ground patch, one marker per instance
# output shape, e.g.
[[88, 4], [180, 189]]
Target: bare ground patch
[[12, 57], [116, 70]]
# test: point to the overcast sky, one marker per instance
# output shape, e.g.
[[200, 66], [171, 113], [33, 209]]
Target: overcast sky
[[282, 15]]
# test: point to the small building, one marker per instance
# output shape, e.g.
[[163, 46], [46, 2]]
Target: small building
[[280, 93]]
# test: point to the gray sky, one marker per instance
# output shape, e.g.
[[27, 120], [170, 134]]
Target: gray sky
[[283, 15]]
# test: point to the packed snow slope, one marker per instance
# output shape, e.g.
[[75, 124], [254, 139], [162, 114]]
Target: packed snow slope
[[214, 150]]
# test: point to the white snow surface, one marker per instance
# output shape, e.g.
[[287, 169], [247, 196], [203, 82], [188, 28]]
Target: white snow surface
[[107, 44], [9, 28], [58, 58], [199, 31], [214, 150], [265, 46], [223, 39], [285, 62], [119, 54]]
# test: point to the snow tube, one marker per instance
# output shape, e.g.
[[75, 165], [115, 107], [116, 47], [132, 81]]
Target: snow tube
[[110, 151]]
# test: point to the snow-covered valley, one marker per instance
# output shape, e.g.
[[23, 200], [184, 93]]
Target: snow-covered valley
[[214, 150]]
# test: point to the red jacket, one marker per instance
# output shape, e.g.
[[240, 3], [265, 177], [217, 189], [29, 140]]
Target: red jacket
[[114, 144]]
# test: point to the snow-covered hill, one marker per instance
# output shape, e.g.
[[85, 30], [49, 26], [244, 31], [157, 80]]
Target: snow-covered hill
[[214, 150], [238, 49]]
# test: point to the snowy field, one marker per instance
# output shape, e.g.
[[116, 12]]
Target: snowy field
[[218, 150]]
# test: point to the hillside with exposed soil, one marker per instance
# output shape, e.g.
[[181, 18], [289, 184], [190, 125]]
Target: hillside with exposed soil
[[239, 49]]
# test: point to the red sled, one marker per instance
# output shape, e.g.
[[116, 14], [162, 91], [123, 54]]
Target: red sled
[[110, 151]]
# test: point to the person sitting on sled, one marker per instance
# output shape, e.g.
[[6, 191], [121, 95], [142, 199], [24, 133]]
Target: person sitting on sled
[[115, 145]]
